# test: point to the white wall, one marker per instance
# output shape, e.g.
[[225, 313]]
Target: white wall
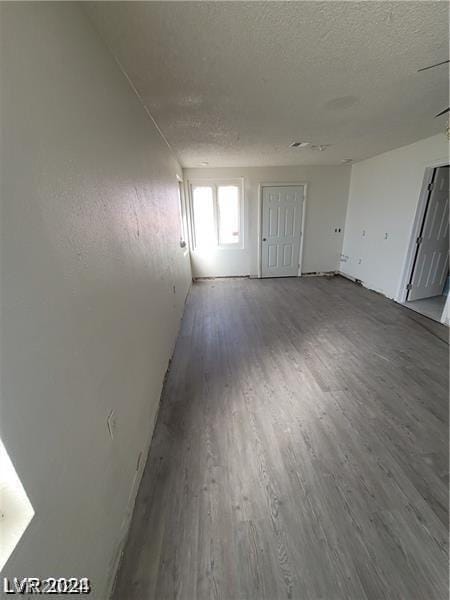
[[325, 210], [93, 283], [383, 198]]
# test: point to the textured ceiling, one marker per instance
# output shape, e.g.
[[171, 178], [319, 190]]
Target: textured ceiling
[[234, 83]]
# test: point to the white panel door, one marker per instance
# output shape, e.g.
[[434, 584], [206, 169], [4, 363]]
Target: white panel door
[[281, 228], [431, 264]]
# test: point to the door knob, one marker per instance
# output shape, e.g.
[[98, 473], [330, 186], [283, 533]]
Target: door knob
[[264, 240]]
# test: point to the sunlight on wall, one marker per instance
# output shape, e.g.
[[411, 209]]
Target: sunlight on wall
[[16, 511]]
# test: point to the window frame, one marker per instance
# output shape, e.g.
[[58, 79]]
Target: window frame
[[215, 184], [183, 214]]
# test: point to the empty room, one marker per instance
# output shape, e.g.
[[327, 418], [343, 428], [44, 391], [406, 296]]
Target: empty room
[[224, 289]]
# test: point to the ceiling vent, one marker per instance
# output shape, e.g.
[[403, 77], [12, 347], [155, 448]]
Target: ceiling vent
[[299, 144]]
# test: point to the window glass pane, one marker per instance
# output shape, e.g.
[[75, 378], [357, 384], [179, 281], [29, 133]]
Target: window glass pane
[[203, 201], [228, 201]]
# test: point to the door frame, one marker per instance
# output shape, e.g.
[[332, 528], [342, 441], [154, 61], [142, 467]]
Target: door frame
[[261, 187], [416, 228]]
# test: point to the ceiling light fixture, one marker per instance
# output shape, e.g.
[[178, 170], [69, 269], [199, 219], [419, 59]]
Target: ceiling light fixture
[[204, 163], [346, 161]]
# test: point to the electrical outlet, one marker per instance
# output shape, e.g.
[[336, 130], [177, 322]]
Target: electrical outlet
[[111, 423]]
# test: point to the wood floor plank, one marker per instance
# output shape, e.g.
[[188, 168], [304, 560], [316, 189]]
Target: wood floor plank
[[300, 452]]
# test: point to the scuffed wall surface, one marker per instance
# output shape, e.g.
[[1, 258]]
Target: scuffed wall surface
[[93, 284]]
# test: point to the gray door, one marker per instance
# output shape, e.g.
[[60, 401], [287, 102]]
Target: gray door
[[431, 262]]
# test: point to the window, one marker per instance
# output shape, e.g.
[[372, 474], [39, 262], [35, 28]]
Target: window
[[183, 236], [228, 204], [216, 215], [204, 221]]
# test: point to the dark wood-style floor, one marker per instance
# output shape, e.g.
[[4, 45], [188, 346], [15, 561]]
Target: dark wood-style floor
[[301, 450]]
